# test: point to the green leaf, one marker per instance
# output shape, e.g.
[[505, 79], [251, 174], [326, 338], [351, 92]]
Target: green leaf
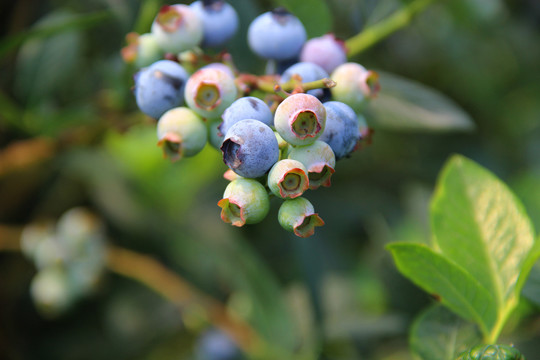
[[480, 225], [437, 275], [43, 65], [314, 15], [406, 105], [438, 334]]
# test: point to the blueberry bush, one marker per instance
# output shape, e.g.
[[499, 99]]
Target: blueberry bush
[[270, 179]]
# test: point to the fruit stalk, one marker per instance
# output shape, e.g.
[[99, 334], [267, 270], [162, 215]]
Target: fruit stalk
[[373, 34]]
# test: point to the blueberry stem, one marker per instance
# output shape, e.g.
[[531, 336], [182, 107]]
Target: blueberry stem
[[373, 34]]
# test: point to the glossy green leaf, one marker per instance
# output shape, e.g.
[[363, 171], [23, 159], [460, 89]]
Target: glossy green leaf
[[438, 334], [406, 105], [480, 225], [314, 15], [449, 282]]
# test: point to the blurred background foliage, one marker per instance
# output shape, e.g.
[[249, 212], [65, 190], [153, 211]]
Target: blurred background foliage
[[70, 135]]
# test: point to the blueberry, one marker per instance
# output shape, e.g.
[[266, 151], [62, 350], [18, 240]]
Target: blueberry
[[300, 119], [160, 87], [250, 148], [216, 345], [326, 51], [355, 85], [220, 66], [210, 91], [288, 179], [342, 130], [319, 160], [277, 35], [181, 133], [177, 28], [146, 50], [220, 21], [307, 72], [245, 201], [215, 137], [298, 215], [248, 107], [51, 291]]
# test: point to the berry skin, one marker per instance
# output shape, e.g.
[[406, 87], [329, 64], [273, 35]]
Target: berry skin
[[215, 138], [220, 21], [342, 130], [210, 91], [245, 201], [160, 87], [355, 85], [298, 215], [220, 66], [181, 133], [177, 28], [326, 51], [51, 292], [142, 50], [250, 148], [319, 160], [300, 119], [277, 35], [248, 107], [288, 179], [307, 72]]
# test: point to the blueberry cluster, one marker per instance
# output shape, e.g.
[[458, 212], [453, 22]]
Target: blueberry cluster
[[279, 144], [69, 257]]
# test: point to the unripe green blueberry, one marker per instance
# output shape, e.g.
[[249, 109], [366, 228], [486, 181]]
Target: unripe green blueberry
[[33, 234], [49, 252], [148, 50], [355, 85], [491, 352], [284, 147], [51, 292], [319, 160], [298, 215], [288, 179], [177, 28], [215, 137], [209, 91], [245, 201], [79, 230], [300, 119], [181, 133]]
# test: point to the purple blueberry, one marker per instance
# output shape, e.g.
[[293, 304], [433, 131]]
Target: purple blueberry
[[298, 215], [326, 51], [250, 148], [306, 72], [248, 107], [160, 87], [210, 91], [220, 21], [177, 28], [300, 119], [276, 35], [245, 201], [342, 130]]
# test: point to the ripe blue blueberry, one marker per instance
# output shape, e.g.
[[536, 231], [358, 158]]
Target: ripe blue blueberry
[[160, 87], [298, 215], [177, 28], [181, 133], [250, 148], [355, 85], [245, 201], [342, 130], [220, 21], [300, 119], [307, 72], [319, 160], [277, 35], [326, 51], [248, 107], [216, 345], [210, 91]]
